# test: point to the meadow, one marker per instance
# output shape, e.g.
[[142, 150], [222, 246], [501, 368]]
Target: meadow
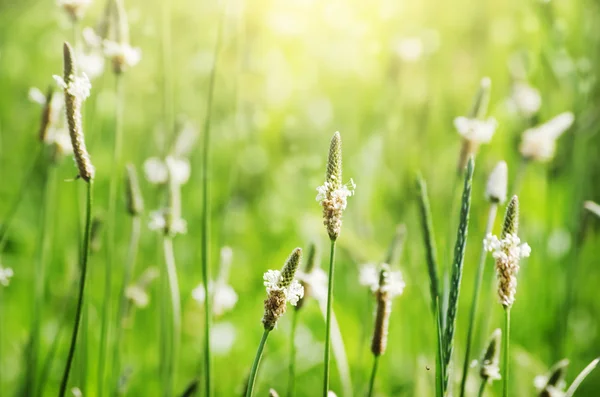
[[216, 132]]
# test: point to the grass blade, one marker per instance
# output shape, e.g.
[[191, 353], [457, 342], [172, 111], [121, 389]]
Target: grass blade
[[581, 377]]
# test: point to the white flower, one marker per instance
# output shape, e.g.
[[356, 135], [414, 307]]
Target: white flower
[[272, 282], [317, 280], [122, 54], [539, 143], [137, 295], [159, 219], [507, 253], [37, 96], [369, 277], [495, 190], [338, 197], [6, 274], [525, 99], [222, 337], [475, 130], [75, 8], [78, 86], [224, 296], [76, 392], [90, 63], [90, 38], [157, 171], [60, 139]]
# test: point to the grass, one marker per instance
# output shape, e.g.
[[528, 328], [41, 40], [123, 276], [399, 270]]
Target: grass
[[288, 76]]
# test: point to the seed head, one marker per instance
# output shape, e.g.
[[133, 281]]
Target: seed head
[[384, 309], [281, 288], [334, 162], [47, 115], [511, 218], [133, 193], [489, 369], [76, 90], [553, 384], [495, 191]]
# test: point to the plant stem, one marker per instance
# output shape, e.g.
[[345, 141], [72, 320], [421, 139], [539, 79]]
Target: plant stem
[[205, 246], [175, 331], [39, 283], [127, 273], [256, 363], [328, 320], [475, 298], [292, 369], [25, 183], [505, 363], [481, 388], [373, 374], [439, 358], [110, 232], [84, 260]]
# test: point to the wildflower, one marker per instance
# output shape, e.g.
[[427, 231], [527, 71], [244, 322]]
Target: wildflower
[[496, 187], [91, 39], [553, 383], [137, 293], [135, 202], [157, 170], [525, 99], [332, 195], [163, 220], [489, 368], [75, 8], [91, 63], [539, 143], [224, 296], [281, 288], [6, 274], [369, 277], [313, 279], [384, 294], [222, 338], [122, 55], [474, 129], [507, 252], [76, 90]]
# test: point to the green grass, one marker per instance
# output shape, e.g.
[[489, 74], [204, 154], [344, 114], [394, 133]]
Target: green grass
[[289, 75]]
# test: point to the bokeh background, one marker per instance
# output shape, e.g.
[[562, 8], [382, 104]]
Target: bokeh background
[[390, 76]]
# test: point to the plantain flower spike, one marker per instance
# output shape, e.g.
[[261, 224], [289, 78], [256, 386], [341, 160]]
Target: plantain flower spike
[[332, 195], [553, 384], [77, 89], [507, 252], [384, 294], [489, 368], [281, 288], [133, 193]]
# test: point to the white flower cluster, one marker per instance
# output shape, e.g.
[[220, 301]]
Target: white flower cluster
[[157, 171], [272, 282], [334, 203], [507, 253], [224, 296], [6, 274], [159, 220], [75, 8], [525, 99], [476, 130], [495, 190], [57, 135], [369, 277], [539, 143], [78, 86], [122, 55], [317, 282]]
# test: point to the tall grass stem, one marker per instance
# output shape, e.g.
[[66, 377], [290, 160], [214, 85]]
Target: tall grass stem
[[328, 319], [475, 299], [111, 233], [373, 374], [506, 358], [256, 363], [175, 299], [83, 272], [292, 368]]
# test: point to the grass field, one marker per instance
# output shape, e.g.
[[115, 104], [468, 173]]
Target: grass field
[[249, 93]]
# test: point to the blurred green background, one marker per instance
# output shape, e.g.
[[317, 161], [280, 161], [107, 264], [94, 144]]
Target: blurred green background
[[390, 76]]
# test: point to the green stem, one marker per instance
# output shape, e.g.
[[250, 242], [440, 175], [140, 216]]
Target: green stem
[[83, 270], [175, 310], [292, 369], [505, 363], [127, 273], [205, 246], [39, 283], [256, 363], [475, 298], [328, 322], [481, 388], [110, 232], [25, 183], [373, 374]]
